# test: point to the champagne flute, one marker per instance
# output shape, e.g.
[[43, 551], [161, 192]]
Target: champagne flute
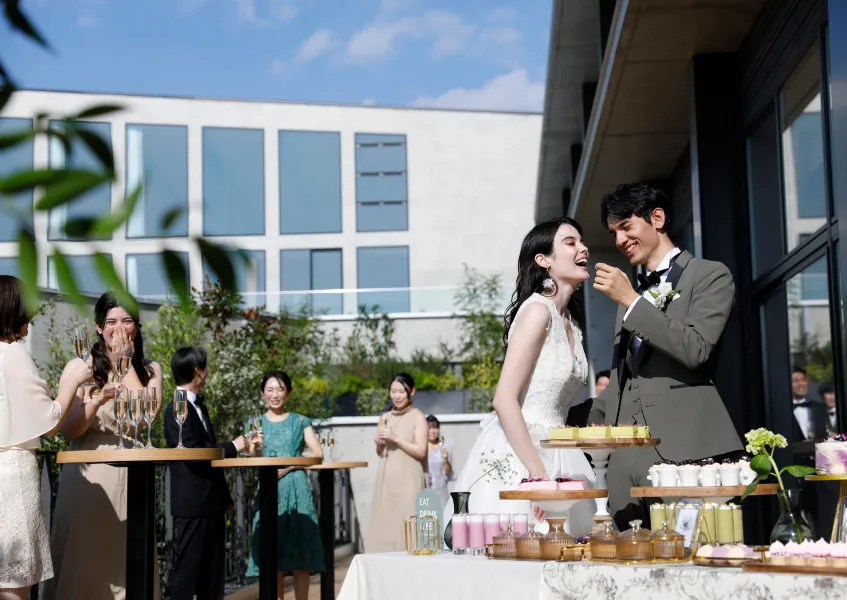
[[123, 361], [121, 414], [180, 411], [82, 347], [150, 408], [137, 398], [257, 424], [330, 442]]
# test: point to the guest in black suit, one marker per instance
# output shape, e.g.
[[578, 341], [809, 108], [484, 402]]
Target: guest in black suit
[[827, 394], [809, 415], [199, 494]]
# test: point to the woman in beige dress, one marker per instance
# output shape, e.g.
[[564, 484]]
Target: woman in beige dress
[[401, 444], [26, 413], [88, 539]]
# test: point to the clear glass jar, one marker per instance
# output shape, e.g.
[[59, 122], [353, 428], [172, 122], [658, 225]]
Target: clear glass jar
[[529, 544], [504, 544], [603, 545], [554, 544], [668, 545], [634, 544]]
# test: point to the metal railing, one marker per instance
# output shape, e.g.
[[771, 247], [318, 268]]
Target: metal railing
[[239, 525]]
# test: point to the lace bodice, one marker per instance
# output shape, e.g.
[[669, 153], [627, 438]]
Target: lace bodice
[[559, 373]]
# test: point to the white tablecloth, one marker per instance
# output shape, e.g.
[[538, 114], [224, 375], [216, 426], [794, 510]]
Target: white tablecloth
[[400, 575], [577, 581]]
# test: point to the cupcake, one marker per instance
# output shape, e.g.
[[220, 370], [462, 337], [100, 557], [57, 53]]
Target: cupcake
[[794, 553], [778, 555], [820, 553]]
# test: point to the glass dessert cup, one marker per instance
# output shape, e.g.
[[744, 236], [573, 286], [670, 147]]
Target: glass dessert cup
[[529, 544], [554, 545], [634, 545], [504, 544], [603, 545], [668, 545]]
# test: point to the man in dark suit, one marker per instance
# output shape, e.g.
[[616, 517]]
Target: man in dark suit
[[199, 494], [810, 415]]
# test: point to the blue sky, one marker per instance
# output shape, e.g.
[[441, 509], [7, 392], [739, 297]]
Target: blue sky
[[483, 54]]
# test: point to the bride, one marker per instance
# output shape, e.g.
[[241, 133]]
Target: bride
[[544, 367]]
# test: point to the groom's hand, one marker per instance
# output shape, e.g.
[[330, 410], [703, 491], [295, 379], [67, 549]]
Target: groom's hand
[[615, 284]]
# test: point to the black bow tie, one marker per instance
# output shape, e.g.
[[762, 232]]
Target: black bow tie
[[804, 403], [200, 400], [645, 282]]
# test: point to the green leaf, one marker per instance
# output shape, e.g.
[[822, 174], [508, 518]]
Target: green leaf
[[27, 180], [761, 464], [108, 223], [753, 485], [98, 110], [28, 266], [219, 261], [13, 139], [79, 228], [19, 21], [70, 187], [109, 276], [170, 217], [98, 147], [67, 281], [800, 471], [178, 277]]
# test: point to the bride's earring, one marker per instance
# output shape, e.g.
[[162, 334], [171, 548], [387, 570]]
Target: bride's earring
[[548, 286]]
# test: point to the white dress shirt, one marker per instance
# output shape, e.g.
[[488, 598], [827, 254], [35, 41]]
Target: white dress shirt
[[804, 420], [833, 426]]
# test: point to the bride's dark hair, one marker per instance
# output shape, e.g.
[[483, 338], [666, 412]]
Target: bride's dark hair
[[530, 275]]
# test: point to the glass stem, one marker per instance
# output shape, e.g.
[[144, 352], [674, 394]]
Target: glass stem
[[180, 436], [149, 427]]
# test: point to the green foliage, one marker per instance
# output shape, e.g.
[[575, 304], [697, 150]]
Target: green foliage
[[481, 329]]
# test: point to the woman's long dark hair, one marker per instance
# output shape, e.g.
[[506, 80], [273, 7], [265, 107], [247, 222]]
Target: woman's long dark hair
[[539, 240], [101, 363]]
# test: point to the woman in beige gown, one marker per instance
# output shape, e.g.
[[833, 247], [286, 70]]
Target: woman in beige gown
[[88, 539], [401, 444]]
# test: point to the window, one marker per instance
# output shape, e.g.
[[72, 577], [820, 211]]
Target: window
[[146, 277], [249, 276], [9, 266], [309, 182], [158, 154], [381, 186], [84, 271], [14, 159], [764, 188], [94, 203], [312, 270], [803, 175], [380, 268], [233, 181]]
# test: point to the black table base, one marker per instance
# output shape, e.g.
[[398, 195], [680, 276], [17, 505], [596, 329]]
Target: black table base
[[141, 565], [268, 534], [326, 485]]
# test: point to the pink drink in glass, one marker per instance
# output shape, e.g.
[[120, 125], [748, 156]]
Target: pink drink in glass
[[492, 527], [476, 533], [460, 534], [520, 524], [505, 521]]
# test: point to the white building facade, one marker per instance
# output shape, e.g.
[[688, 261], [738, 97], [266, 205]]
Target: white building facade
[[336, 206]]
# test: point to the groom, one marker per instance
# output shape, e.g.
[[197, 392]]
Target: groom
[[669, 332]]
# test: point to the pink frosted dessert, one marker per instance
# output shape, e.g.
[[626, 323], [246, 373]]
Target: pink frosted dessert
[[537, 485], [565, 483], [777, 554], [838, 552], [820, 553], [831, 456]]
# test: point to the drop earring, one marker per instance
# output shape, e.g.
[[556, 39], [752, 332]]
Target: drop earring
[[548, 286]]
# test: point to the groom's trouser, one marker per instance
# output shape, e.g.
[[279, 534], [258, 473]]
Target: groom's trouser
[[628, 468]]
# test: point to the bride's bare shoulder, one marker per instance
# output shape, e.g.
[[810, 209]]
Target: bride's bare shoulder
[[532, 317]]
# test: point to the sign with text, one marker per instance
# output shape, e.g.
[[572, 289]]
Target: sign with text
[[428, 504]]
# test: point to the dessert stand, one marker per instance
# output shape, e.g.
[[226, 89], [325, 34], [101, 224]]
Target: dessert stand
[[720, 494], [842, 502], [600, 449], [557, 504]]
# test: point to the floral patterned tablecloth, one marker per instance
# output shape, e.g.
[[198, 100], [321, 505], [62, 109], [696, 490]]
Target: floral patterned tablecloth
[[580, 581]]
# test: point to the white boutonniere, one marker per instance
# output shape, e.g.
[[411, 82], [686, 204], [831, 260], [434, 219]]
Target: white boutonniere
[[663, 294]]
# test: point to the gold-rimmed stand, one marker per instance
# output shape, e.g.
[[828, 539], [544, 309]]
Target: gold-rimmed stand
[[842, 496]]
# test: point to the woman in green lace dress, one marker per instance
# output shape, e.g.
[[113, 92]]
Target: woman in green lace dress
[[285, 434]]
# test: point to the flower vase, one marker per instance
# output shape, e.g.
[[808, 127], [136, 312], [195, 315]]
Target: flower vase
[[460, 507], [791, 525]]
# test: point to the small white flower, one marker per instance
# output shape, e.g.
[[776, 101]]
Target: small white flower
[[665, 288]]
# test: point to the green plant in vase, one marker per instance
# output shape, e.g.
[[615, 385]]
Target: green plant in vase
[[761, 443]]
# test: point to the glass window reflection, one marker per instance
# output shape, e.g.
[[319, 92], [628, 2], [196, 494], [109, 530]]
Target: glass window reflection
[[9, 266], [764, 189], [158, 155], [249, 267], [147, 279], [381, 183], [309, 182], [92, 204], [233, 181], [802, 150], [84, 271], [312, 270], [380, 268], [15, 208]]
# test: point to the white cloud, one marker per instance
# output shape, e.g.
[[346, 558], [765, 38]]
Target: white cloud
[[277, 67], [448, 31], [369, 101], [87, 21], [318, 43], [506, 14], [512, 91], [246, 13], [283, 11], [499, 36]]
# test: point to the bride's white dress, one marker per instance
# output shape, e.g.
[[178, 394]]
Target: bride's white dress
[[559, 373]]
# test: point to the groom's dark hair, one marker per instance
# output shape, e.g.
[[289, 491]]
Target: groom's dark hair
[[637, 199]]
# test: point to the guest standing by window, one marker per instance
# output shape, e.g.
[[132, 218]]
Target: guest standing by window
[[440, 461], [285, 434], [401, 444], [88, 537], [26, 413]]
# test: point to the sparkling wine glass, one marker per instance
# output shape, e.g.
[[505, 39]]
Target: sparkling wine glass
[[82, 347], [123, 361], [180, 411], [257, 425], [150, 409], [121, 414], [137, 398]]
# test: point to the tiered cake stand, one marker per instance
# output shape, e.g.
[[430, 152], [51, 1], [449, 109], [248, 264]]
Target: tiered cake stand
[[600, 449], [719, 494], [557, 504]]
